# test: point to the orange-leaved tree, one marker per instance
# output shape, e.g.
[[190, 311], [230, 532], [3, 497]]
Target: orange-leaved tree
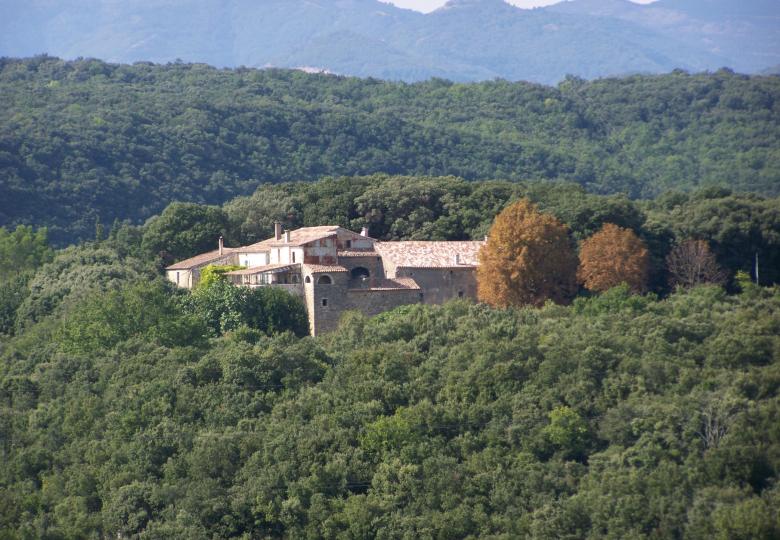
[[613, 256], [528, 258]]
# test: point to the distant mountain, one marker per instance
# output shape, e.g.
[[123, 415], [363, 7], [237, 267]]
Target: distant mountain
[[464, 40], [744, 33]]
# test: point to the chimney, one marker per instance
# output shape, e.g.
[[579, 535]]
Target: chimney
[[286, 237], [485, 238], [221, 246], [457, 259], [364, 231], [277, 230]]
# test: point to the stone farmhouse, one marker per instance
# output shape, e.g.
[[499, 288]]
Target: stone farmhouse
[[335, 270]]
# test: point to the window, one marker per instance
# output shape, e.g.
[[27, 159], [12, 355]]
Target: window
[[293, 256], [324, 280], [177, 278], [349, 244], [421, 297], [460, 294], [308, 279], [324, 302], [360, 273]]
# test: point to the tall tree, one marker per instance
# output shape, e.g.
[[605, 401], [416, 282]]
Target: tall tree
[[692, 263], [184, 230], [613, 256], [527, 259], [23, 249]]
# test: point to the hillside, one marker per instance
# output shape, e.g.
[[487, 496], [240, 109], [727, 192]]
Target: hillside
[[87, 140], [130, 409], [620, 416], [464, 40]]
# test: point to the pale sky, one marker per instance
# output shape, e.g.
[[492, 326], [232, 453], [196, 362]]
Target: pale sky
[[429, 5]]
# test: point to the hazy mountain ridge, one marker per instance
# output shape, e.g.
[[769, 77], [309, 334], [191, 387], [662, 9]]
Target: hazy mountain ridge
[[464, 40]]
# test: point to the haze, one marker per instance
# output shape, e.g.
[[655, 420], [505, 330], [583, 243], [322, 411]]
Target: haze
[[429, 5]]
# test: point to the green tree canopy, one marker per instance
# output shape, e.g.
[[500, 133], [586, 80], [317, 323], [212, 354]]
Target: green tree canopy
[[184, 230]]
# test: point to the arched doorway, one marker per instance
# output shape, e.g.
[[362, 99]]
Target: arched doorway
[[360, 273]]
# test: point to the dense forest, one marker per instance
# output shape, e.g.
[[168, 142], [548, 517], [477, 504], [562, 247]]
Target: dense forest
[[85, 141], [130, 409], [740, 228]]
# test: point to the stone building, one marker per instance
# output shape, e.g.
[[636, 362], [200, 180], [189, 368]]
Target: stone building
[[335, 270]]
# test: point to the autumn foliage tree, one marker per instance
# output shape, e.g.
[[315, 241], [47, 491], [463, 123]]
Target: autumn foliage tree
[[612, 256], [528, 259], [692, 263]]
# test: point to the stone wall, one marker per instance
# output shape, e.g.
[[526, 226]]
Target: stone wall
[[326, 304], [439, 285], [373, 302], [372, 263]]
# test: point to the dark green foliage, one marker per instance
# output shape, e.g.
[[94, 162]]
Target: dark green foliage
[[620, 416], [183, 230], [84, 140], [446, 208], [139, 311], [75, 273], [12, 294], [22, 250], [392, 207], [226, 308], [738, 227]]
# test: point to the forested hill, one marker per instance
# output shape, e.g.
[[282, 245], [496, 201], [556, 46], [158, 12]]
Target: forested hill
[[84, 140], [130, 408], [619, 417]]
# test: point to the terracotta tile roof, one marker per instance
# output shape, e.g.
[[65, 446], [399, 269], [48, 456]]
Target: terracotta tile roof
[[395, 284], [200, 260], [319, 268], [415, 254], [254, 248], [358, 253], [406, 282], [298, 237], [259, 269]]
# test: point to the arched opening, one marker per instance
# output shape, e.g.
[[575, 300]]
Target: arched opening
[[360, 273], [324, 280], [308, 279]]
